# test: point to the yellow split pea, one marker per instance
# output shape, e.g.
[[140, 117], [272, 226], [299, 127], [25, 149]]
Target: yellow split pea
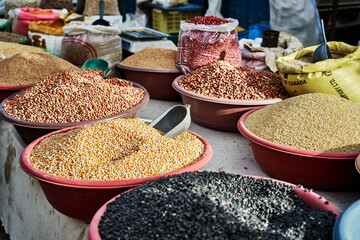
[[116, 149]]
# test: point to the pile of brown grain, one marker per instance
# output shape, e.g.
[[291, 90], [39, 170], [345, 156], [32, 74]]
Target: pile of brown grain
[[10, 37], [152, 58], [29, 68], [314, 121], [8, 49]]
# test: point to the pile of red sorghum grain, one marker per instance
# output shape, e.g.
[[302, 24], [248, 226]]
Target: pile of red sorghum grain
[[199, 47], [73, 96], [224, 80]]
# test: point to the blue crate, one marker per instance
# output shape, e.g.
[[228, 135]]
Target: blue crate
[[235, 9], [254, 31], [247, 12]]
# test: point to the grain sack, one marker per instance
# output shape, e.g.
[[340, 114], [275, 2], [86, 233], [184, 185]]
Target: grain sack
[[206, 39], [82, 43], [339, 76], [47, 35]]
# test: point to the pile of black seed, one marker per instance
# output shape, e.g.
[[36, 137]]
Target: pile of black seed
[[213, 205]]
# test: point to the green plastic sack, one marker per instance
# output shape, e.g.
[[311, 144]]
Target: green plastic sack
[[339, 76]]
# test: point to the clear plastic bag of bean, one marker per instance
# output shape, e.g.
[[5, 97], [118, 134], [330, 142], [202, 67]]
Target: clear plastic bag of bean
[[204, 39]]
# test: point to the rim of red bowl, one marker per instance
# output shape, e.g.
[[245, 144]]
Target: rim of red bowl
[[14, 87], [34, 172], [295, 151], [181, 90], [153, 70], [24, 123], [93, 231]]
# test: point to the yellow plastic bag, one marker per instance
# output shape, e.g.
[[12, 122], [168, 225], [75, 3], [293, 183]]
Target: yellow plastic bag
[[337, 76], [47, 28]]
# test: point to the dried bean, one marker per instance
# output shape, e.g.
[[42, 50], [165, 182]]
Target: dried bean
[[224, 80], [199, 47], [208, 20], [73, 96], [210, 205]]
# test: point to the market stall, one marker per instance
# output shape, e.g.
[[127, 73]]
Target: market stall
[[259, 138]]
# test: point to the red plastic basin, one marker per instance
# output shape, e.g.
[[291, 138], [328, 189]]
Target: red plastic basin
[[80, 199], [310, 198], [156, 81], [7, 90], [29, 131], [312, 169], [217, 113]]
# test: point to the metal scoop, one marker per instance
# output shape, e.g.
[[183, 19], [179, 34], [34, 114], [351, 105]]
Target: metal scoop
[[97, 63], [322, 52], [173, 121], [357, 163], [101, 21]]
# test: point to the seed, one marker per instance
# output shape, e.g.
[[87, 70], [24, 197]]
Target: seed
[[314, 121], [116, 149], [27, 68], [152, 58], [73, 96], [10, 37], [10, 49], [207, 20], [225, 80], [198, 205]]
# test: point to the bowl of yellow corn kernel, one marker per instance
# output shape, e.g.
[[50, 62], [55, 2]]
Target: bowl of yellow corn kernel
[[80, 168]]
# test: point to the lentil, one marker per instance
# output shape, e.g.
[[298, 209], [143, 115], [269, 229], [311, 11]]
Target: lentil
[[28, 68], [210, 205], [116, 149], [9, 49], [10, 37], [152, 58], [73, 96], [313, 121], [224, 80], [199, 46]]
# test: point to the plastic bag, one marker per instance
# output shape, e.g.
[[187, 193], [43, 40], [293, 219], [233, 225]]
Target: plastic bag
[[47, 35], [28, 15], [340, 76], [297, 17], [82, 43], [200, 44]]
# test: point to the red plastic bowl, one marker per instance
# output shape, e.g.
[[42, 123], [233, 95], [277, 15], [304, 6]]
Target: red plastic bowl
[[156, 81], [29, 131], [218, 113], [7, 90], [310, 198], [313, 169], [80, 199]]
